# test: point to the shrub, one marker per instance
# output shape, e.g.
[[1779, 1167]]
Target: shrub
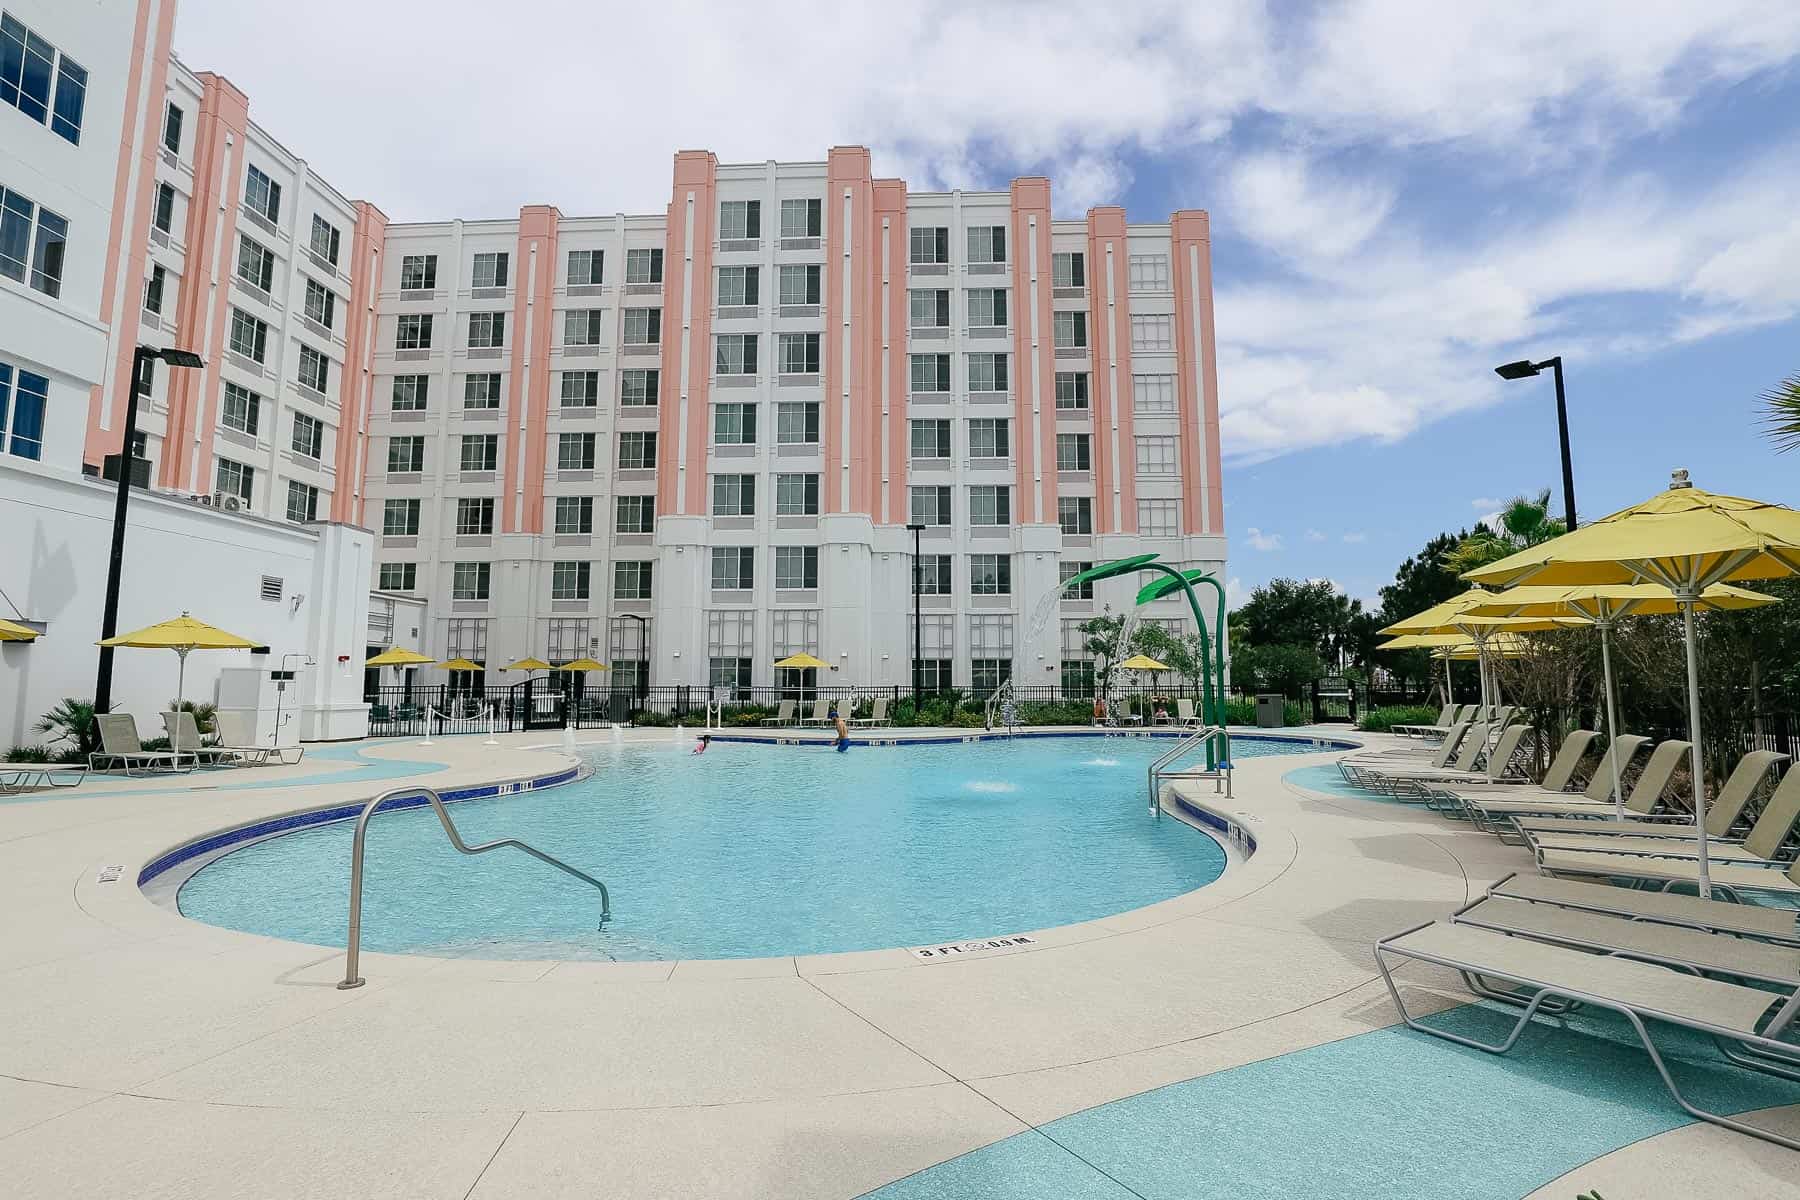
[[72, 722], [28, 754], [1381, 720]]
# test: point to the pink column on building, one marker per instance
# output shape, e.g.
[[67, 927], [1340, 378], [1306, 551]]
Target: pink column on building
[[1034, 356], [888, 344], [852, 337], [687, 335], [1110, 387], [203, 314], [1203, 496], [133, 207], [528, 395], [356, 389]]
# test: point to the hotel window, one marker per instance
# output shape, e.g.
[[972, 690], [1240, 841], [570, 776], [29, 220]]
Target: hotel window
[[469, 580], [23, 398], [574, 451], [799, 284], [479, 452], [418, 272], [1152, 332], [25, 80], [797, 422], [738, 286], [321, 303], [326, 239], [931, 372], [1157, 518], [1153, 393], [798, 353], [930, 246], [410, 392], [1068, 269], [235, 479], [1072, 390], [988, 373], [302, 501], [930, 308], [400, 518], [308, 439], [740, 219], [931, 439], [797, 495], [631, 581], [574, 514], [734, 424], [581, 389], [1148, 272], [728, 670], [481, 391], [262, 195], [412, 331], [638, 387], [581, 327], [1073, 452], [586, 267], [406, 454], [1066, 571], [987, 674], [249, 336], [489, 270], [637, 450], [802, 219], [474, 516], [797, 567], [933, 571], [487, 330], [643, 266], [165, 208], [990, 504], [734, 496], [315, 370], [240, 409], [990, 574], [1155, 456], [398, 577], [733, 568], [929, 505], [635, 514], [171, 137], [1069, 330], [569, 580], [153, 290], [988, 439], [1075, 514], [643, 327], [1077, 678], [987, 243], [255, 263], [735, 354]]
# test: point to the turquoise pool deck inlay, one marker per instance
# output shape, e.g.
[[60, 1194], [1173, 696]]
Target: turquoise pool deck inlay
[[1330, 781], [1386, 1115]]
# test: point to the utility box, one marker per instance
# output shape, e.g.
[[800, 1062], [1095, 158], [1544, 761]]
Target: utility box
[[1271, 711], [269, 702]]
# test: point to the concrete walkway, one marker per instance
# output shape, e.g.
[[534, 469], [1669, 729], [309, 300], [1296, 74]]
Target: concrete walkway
[[146, 1055]]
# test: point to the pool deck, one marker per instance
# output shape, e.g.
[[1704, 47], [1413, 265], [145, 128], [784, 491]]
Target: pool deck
[[147, 1055]]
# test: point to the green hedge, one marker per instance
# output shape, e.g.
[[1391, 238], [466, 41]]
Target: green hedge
[[1381, 720]]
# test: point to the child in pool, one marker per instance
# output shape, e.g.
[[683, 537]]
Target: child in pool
[[703, 743], [843, 731]]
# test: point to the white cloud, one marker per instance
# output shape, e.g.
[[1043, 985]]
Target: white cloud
[[1258, 540], [1282, 201], [1315, 535], [1485, 503], [1356, 539]]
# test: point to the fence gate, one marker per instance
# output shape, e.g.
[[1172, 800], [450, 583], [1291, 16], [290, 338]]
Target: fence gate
[[542, 706], [1333, 701]]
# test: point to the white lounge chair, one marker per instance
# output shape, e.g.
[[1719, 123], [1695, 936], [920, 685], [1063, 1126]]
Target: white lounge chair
[[185, 740], [1442, 725], [19, 778], [877, 713], [234, 737], [1184, 713], [821, 713], [1495, 808], [784, 714], [1478, 762], [121, 749], [1659, 908]]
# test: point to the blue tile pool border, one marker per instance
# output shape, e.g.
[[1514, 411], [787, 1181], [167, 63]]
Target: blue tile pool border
[[773, 738]]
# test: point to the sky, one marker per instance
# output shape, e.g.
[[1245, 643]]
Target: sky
[[1403, 195]]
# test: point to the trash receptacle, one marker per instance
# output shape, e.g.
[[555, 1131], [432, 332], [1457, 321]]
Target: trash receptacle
[[1271, 711]]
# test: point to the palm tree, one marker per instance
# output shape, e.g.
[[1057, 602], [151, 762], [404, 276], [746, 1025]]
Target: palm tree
[[72, 721], [1781, 416], [1523, 521]]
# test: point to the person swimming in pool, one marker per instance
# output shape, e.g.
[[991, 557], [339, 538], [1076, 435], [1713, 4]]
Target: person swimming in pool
[[705, 741], [843, 730]]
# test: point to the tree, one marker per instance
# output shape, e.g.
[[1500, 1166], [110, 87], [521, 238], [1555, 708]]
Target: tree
[[1287, 669], [72, 721], [1524, 521], [1295, 612], [1781, 416]]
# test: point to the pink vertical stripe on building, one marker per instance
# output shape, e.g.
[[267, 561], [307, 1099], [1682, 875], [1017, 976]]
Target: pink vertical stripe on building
[[356, 387], [890, 206], [1202, 495], [528, 391], [1034, 353], [686, 318], [1110, 391], [851, 335]]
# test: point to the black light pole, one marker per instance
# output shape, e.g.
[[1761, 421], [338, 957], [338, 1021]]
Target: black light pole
[[1525, 369], [143, 367], [918, 650]]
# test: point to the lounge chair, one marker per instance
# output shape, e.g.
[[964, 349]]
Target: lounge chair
[[821, 713], [185, 740], [120, 748], [234, 738], [1369, 772], [1659, 908], [19, 778], [1676, 837], [1184, 713], [1722, 811], [1442, 724], [784, 714], [877, 713], [1478, 762], [1747, 1024], [1495, 808], [1434, 756]]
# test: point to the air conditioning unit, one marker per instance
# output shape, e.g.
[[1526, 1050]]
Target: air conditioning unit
[[228, 503], [206, 500]]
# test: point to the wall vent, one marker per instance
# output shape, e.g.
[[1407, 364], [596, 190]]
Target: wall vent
[[271, 588]]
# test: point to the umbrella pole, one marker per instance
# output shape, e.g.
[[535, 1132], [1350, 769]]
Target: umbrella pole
[[1449, 687], [1612, 724], [180, 688], [1695, 756]]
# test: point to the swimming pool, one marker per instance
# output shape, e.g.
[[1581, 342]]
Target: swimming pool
[[746, 851]]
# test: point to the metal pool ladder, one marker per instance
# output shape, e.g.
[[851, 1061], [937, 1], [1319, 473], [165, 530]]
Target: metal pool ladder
[[1165, 767], [353, 947]]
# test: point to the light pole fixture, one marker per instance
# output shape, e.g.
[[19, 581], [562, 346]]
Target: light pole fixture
[[918, 649], [1525, 369], [143, 367]]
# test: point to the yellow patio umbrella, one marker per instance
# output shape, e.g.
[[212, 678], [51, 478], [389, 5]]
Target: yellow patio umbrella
[[460, 664], [582, 664], [1142, 662], [183, 635], [12, 631], [1456, 617], [1684, 540], [398, 656], [527, 664], [801, 661]]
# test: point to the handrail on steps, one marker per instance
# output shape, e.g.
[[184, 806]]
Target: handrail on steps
[[1164, 767]]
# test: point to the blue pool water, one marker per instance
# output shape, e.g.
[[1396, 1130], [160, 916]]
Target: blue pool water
[[745, 851]]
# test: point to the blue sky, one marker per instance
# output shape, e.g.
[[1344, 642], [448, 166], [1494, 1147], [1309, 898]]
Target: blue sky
[[1404, 193]]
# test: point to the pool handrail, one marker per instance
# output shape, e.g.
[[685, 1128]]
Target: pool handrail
[[1164, 767], [353, 943]]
